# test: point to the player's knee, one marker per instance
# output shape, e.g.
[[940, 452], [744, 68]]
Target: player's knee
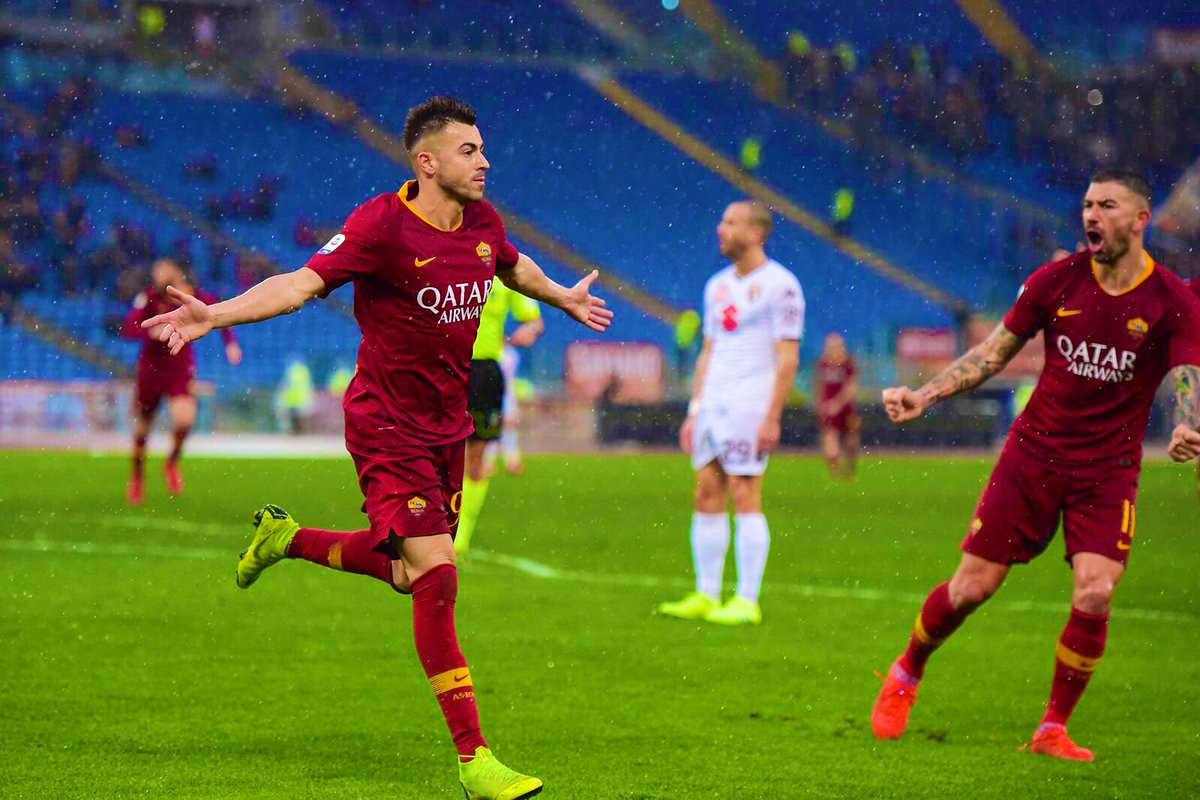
[[429, 562], [1093, 594], [709, 499], [971, 591]]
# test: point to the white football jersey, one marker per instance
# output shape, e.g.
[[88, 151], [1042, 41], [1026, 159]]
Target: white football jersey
[[743, 319]]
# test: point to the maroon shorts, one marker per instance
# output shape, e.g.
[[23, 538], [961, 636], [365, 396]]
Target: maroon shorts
[[413, 491], [1025, 497], [153, 385], [845, 421]]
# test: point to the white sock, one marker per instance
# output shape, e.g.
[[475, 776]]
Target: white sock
[[753, 541], [710, 540], [509, 444]]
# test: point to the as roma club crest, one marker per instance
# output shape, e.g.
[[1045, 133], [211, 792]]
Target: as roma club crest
[[484, 251], [1137, 327], [417, 505]]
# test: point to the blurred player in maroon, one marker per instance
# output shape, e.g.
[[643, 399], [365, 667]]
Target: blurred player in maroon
[[1115, 323], [159, 375], [422, 260], [835, 385]]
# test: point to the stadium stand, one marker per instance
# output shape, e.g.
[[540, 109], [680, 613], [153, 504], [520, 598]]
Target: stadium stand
[[674, 256]]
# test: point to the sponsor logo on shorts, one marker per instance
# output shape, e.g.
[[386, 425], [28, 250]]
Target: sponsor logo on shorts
[[976, 526], [417, 505], [332, 244], [1137, 327]]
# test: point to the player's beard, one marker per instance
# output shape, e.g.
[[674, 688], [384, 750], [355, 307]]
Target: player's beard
[[1114, 248], [732, 249]]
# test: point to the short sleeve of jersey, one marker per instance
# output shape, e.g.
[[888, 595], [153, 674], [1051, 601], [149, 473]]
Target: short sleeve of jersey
[[353, 252], [1184, 346], [787, 310], [1028, 314], [506, 251], [524, 309]]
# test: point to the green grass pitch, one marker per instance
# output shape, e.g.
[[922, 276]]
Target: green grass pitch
[[131, 665]]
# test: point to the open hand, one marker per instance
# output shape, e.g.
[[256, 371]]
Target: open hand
[[185, 324], [584, 307], [903, 404]]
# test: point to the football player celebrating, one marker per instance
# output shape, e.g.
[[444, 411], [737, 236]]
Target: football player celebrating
[[1115, 324], [422, 260]]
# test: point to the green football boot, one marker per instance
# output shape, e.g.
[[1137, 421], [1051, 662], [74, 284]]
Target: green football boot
[[485, 778], [737, 610], [274, 530], [696, 605]]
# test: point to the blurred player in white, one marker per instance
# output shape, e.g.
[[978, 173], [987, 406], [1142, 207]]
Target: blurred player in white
[[753, 321]]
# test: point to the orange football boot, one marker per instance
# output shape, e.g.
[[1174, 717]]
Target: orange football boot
[[1054, 741], [889, 716], [174, 477], [135, 490]]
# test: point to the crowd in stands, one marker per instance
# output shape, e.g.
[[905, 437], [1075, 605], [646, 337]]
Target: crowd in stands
[[912, 92], [47, 237]]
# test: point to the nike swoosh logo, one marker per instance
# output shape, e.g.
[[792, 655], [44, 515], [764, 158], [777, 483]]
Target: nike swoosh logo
[[461, 678], [1062, 312], [417, 262]]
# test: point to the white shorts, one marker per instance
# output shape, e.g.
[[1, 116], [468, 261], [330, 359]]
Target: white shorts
[[730, 437]]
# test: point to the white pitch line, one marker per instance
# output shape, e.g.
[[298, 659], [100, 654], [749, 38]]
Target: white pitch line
[[535, 569]]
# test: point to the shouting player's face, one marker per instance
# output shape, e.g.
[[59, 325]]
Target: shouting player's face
[[453, 157], [1113, 216], [736, 233]]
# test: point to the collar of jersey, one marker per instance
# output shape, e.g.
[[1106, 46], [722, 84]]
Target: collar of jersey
[[1146, 273], [403, 195]]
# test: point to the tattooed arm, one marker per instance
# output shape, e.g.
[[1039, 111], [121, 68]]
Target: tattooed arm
[[973, 368], [1185, 440]]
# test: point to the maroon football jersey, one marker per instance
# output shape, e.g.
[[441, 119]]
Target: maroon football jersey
[[418, 291], [835, 375], [1105, 357], [155, 357]]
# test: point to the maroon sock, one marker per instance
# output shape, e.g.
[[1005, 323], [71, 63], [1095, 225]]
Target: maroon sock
[[937, 620], [1080, 649], [445, 665], [180, 435], [349, 551], [139, 455]]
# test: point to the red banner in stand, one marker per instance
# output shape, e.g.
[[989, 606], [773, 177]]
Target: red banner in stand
[[926, 344], [630, 372]]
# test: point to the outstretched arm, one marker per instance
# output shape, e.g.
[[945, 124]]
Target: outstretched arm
[[527, 278], [1185, 439], [971, 369], [278, 294]]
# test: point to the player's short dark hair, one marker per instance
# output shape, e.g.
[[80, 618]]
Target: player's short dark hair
[[1133, 181], [433, 115]]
